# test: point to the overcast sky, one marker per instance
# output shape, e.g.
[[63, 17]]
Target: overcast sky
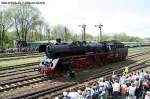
[[129, 16]]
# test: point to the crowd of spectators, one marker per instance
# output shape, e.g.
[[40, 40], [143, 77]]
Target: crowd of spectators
[[135, 85]]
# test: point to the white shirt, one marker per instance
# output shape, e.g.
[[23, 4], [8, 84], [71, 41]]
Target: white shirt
[[131, 90], [75, 95], [122, 80], [147, 97], [141, 76], [145, 74], [116, 87], [134, 77], [101, 86]]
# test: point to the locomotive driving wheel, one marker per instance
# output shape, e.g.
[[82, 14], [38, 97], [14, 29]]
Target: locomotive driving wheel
[[70, 73]]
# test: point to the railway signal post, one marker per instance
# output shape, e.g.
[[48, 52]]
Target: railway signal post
[[83, 31], [100, 28]]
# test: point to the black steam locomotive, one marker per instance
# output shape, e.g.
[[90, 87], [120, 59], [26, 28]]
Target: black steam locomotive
[[62, 58]]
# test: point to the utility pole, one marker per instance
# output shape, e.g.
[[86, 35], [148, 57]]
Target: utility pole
[[100, 28], [83, 26], [65, 30]]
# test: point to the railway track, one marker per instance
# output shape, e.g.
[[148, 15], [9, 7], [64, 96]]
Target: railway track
[[12, 84], [66, 86], [20, 57], [138, 54], [36, 63], [31, 69], [18, 66], [19, 72], [8, 86], [2, 55], [12, 71]]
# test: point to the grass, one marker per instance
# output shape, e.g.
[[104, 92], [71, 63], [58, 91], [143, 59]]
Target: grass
[[19, 61]]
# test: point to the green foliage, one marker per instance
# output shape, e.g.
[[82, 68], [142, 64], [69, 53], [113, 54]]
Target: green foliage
[[8, 40], [60, 31], [125, 38], [25, 19], [5, 24]]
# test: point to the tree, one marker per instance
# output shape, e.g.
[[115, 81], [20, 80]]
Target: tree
[[26, 19], [5, 24], [47, 31], [60, 31], [125, 38]]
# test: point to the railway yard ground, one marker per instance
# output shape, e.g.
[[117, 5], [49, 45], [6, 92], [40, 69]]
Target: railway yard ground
[[147, 69], [19, 78], [20, 59]]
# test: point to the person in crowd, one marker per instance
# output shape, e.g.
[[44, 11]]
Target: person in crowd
[[147, 96], [84, 93], [141, 76], [137, 85], [145, 86], [80, 94], [126, 70], [102, 88], [128, 85], [124, 90], [109, 88], [65, 95], [75, 95], [128, 80], [88, 93], [146, 74], [56, 97], [96, 91], [116, 89], [131, 91], [104, 93], [113, 75], [122, 79], [134, 76]]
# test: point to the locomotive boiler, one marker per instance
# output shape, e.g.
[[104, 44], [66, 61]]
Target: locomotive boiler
[[66, 58]]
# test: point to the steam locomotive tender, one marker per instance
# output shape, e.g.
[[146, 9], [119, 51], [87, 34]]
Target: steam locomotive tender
[[65, 58]]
